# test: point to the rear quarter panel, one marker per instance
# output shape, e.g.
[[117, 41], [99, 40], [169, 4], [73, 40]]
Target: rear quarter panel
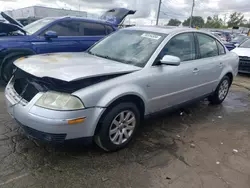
[[231, 63]]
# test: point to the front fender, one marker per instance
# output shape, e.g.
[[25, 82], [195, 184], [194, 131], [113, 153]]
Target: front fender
[[121, 91]]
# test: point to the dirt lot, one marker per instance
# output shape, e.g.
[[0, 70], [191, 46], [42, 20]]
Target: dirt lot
[[199, 146]]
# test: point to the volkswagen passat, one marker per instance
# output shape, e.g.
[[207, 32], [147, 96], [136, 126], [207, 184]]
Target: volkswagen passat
[[104, 93]]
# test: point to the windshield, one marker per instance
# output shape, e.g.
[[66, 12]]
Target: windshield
[[37, 25], [245, 44], [128, 46], [239, 38]]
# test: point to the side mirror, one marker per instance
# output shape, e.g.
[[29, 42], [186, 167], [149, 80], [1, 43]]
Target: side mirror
[[236, 45], [170, 60], [50, 35]]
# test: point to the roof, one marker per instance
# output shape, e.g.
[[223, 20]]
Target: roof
[[80, 18], [160, 29]]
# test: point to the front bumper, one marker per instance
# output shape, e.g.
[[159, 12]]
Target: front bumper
[[244, 65], [50, 125]]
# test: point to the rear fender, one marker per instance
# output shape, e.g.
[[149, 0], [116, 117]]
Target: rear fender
[[224, 72]]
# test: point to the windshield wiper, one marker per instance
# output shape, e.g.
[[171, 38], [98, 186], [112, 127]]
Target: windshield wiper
[[103, 56]]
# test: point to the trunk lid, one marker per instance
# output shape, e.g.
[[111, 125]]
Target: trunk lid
[[117, 15]]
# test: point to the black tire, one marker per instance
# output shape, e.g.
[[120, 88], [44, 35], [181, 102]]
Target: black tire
[[102, 138], [214, 98], [8, 68]]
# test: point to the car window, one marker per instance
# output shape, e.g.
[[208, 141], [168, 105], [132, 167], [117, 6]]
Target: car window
[[182, 46], [245, 44], [128, 46], [66, 28], [109, 29], [37, 25], [220, 48], [207, 45], [92, 29]]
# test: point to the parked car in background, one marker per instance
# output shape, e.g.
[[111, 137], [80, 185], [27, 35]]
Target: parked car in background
[[220, 36], [227, 35], [239, 39], [243, 51], [235, 41], [104, 93], [48, 35]]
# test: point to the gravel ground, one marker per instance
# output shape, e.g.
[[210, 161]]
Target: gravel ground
[[198, 146]]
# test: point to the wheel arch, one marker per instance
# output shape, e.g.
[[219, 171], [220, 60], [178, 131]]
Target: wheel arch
[[137, 100], [16, 52], [228, 71], [230, 75]]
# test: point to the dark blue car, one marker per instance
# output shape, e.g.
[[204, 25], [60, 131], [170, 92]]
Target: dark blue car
[[48, 35]]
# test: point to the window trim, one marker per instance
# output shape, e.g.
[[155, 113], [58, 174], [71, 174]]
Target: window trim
[[41, 34], [196, 52], [198, 44], [106, 29], [217, 43]]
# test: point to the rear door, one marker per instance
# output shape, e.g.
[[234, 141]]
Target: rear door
[[91, 33], [210, 63]]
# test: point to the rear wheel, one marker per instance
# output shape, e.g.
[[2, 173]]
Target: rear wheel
[[118, 127], [221, 91], [8, 68]]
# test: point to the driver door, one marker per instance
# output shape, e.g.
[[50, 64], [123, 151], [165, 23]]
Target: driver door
[[173, 85]]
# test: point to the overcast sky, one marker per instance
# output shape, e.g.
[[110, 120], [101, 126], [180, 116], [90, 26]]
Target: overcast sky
[[146, 9]]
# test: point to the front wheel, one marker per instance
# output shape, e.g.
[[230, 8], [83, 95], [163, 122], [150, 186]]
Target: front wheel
[[118, 127], [221, 91]]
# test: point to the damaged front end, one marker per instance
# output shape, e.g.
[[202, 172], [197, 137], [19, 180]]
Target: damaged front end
[[27, 85]]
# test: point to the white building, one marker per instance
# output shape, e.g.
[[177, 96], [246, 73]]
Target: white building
[[41, 12]]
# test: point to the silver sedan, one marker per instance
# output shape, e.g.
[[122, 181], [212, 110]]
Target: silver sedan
[[104, 93]]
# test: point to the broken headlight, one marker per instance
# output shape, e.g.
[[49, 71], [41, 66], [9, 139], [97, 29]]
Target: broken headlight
[[59, 101]]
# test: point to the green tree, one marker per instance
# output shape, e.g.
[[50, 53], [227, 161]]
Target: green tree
[[214, 22], [236, 19], [174, 22], [196, 21]]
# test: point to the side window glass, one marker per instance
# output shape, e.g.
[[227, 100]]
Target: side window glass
[[207, 45], [182, 46], [220, 48], [109, 29], [92, 29], [65, 28]]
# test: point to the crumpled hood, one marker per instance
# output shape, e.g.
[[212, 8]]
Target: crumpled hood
[[242, 51], [71, 66]]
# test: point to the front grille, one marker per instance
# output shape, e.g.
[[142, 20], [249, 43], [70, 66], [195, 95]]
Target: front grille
[[244, 64], [47, 137], [26, 90]]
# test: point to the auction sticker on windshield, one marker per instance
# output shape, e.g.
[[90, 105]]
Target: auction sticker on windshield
[[151, 36]]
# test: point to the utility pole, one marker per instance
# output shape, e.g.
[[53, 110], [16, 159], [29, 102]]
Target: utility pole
[[225, 19], [158, 13], [191, 17]]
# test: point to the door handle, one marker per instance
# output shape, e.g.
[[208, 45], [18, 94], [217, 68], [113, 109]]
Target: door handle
[[196, 70]]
